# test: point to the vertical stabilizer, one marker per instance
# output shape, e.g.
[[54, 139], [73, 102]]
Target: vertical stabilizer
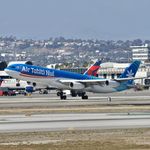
[[131, 71], [92, 71]]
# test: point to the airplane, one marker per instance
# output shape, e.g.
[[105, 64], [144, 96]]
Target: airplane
[[93, 69], [9, 83], [29, 86], [65, 80]]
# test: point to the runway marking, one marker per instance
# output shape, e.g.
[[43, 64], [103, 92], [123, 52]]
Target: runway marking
[[55, 99]]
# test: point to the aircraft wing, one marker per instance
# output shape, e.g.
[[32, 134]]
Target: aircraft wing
[[91, 81], [127, 79], [99, 81]]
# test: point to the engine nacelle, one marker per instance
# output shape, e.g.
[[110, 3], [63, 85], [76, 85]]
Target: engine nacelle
[[76, 86], [114, 84], [111, 83]]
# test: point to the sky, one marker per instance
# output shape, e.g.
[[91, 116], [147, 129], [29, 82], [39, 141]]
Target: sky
[[85, 19]]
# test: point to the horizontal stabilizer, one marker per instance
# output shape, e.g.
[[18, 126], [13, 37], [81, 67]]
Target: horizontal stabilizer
[[127, 79]]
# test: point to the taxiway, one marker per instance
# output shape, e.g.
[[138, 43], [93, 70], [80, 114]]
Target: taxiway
[[57, 122]]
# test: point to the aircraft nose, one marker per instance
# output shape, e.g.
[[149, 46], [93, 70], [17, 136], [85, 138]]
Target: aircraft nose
[[8, 71]]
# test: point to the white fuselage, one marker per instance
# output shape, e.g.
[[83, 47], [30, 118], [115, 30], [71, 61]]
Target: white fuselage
[[11, 83]]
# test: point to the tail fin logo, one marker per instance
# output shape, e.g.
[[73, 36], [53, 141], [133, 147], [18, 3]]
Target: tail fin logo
[[92, 71], [131, 70], [130, 73]]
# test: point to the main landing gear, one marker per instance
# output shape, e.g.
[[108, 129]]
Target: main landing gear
[[80, 94], [84, 97], [63, 96]]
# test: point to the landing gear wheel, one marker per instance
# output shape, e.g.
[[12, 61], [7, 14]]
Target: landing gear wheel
[[17, 84], [84, 97], [63, 97], [58, 93], [73, 94]]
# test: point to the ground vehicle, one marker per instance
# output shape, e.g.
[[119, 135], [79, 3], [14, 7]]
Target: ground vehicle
[[7, 92]]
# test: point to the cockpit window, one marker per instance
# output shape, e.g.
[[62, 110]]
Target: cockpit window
[[16, 67], [12, 67]]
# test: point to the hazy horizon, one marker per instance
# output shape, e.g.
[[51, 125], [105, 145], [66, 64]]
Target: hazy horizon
[[85, 19]]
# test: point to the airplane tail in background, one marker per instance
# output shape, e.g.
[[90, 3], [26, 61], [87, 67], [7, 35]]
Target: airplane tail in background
[[92, 71], [131, 71], [1, 80]]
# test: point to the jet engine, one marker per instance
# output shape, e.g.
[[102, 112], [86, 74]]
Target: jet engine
[[113, 84], [76, 85]]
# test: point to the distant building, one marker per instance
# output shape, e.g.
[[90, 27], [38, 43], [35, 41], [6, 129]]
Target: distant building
[[112, 70], [141, 53]]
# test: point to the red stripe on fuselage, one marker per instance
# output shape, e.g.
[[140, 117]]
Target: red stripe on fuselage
[[34, 76]]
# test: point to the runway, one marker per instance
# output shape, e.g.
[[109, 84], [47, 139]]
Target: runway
[[49, 113], [73, 121], [51, 100]]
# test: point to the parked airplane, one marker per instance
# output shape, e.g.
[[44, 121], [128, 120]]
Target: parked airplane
[[92, 71], [7, 83], [65, 80]]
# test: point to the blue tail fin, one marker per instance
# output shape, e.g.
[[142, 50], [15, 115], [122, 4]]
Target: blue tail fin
[[92, 71], [131, 71]]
